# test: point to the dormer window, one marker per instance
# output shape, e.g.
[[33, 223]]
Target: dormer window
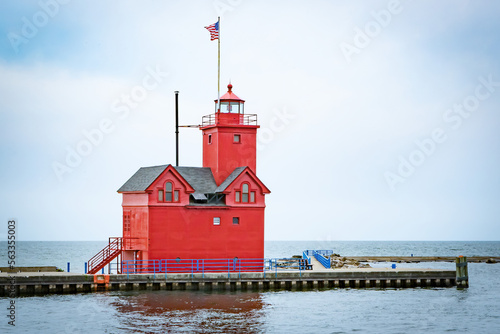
[[245, 195], [168, 194]]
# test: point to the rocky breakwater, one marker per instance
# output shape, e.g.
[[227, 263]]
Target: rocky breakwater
[[343, 262]]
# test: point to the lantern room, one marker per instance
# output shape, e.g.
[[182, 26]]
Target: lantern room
[[230, 103]]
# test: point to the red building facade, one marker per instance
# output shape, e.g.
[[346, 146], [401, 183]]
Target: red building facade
[[210, 212]]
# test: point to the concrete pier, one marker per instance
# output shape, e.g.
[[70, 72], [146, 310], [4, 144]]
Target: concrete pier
[[359, 278]]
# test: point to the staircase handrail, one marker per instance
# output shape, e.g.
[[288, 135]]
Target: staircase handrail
[[114, 246]]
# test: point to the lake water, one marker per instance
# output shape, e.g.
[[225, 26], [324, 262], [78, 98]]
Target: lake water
[[433, 310]]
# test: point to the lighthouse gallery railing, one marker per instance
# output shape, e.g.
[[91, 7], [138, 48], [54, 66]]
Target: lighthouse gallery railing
[[231, 118]]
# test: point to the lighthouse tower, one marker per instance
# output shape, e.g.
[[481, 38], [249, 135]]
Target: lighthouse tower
[[229, 137]]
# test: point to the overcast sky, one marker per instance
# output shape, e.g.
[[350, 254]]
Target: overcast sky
[[379, 119]]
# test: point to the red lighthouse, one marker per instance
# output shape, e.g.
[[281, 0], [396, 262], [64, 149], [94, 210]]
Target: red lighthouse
[[210, 212]]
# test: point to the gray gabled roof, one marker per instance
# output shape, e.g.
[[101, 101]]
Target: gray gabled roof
[[143, 178], [200, 178], [230, 179]]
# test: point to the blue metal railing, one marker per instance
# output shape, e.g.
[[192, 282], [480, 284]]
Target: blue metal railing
[[305, 255], [192, 266], [323, 252], [221, 265], [321, 255], [322, 259]]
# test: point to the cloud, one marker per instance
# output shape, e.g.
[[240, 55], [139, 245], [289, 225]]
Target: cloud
[[352, 121]]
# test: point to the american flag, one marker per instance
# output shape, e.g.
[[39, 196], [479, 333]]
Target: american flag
[[214, 31]]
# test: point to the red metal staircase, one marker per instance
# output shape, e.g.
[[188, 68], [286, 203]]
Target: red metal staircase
[[105, 256]]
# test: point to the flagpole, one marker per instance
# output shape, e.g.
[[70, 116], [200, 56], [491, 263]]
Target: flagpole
[[218, 68]]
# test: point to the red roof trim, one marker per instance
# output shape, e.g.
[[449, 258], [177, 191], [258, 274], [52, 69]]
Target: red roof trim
[[250, 172], [230, 96], [189, 189]]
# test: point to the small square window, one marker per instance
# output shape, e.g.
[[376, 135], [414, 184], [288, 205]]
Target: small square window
[[216, 220], [236, 220], [210, 139], [237, 138]]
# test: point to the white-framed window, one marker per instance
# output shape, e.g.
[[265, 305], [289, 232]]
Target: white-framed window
[[168, 192], [244, 193]]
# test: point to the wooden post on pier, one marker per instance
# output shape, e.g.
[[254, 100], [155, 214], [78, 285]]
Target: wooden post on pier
[[462, 275]]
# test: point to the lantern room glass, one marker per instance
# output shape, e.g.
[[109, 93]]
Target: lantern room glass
[[231, 107]]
